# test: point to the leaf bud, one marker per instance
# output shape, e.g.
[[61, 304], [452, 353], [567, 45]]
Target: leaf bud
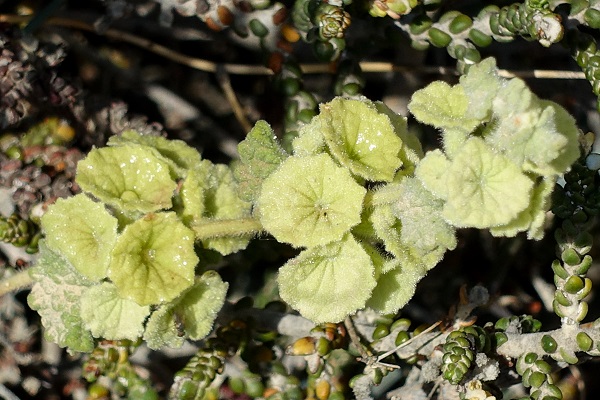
[[237, 384], [582, 311], [585, 264], [501, 338], [322, 389], [570, 256], [302, 347], [549, 345], [402, 337], [439, 38], [479, 38], [561, 299], [323, 346], [592, 18], [559, 270], [460, 24], [584, 341], [381, 330], [587, 288], [258, 28], [420, 25], [543, 366], [537, 379], [530, 358], [402, 324], [574, 284]]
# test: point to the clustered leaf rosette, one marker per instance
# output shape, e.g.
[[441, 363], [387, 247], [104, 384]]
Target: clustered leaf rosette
[[317, 199], [504, 149], [118, 261]]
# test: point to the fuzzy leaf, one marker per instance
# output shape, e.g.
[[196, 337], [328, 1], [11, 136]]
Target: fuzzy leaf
[[83, 232], [109, 316], [153, 260], [55, 295], [199, 305], [310, 201], [361, 138], [485, 189], [310, 140], [260, 154], [192, 194], [419, 212], [431, 171], [191, 315], [534, 139], [411, 151], [221, 201], [481, 84], [533, 218], [327, 283], [395, 288], [128, 177], [514, 97], [164, 328], [177, 153], [444, 107]]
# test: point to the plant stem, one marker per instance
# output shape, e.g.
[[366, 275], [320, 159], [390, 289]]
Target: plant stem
[[20, 280], [226, 227]]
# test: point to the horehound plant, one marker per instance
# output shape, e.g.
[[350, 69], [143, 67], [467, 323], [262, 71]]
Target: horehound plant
[[122, 262]]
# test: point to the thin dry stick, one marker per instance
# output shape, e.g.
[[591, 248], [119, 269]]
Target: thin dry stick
[[245, 69], [355, 339], [384, 355], [225, 83]]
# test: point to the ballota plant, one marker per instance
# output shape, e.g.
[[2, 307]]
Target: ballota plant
[[369, 212]]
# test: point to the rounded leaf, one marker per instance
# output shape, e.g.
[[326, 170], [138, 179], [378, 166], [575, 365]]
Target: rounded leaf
[[310, 201], [129, 177], [485, 189], [83, 232], [327, 283], [361, 138], [395, 288], [178, 154], [109, 316], [199, 305], [153, 259]]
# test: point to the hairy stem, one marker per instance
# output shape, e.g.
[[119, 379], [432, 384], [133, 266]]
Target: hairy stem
[[227, 227], [18, 281]]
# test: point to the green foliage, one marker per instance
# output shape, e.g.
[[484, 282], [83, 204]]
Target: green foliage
[[357, 196], [56, 296], [131, 178], [84, 232]]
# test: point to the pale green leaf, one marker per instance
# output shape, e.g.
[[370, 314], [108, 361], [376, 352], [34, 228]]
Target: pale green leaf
[[192, 193], [191, 315], [310, 140], [327, 283], [395, 288], [55, 295], [180, 156], [221, 201], [310, 201], [164, 328], [481, 84], [444, 107], [431, 171], [485, 189], [534, 140], [419, 212], [361, 138], [153, 260], [513, 97], [260, 155], [534, 217], [128, 177], [411, 151], [199, 305], [83, 232], [109, 316]]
